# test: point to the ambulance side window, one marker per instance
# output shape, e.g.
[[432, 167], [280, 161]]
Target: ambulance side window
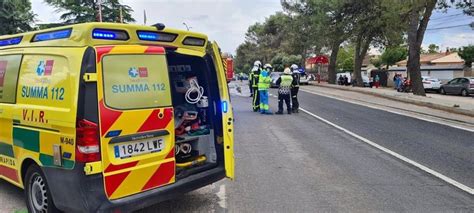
[[9, 68]]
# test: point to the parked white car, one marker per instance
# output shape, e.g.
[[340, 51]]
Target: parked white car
[[304, 79], [430, 83]]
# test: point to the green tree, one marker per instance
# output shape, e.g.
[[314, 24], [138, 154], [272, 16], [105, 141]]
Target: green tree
[[418, 13], [15, 16], [82, 11], [376, 62], [246, 55], [392, 55], [329, 25], [282, 60], [433, 48], [345, 58], [467, 54]]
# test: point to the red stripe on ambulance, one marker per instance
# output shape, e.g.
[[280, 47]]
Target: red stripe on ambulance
[[155, 50], [156, 121], [161, 176], [103, 50], [9, 173], [112, 168], [107, 117], [112, 182]]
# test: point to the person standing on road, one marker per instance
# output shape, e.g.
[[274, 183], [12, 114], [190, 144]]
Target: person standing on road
[[263, 86], [254, 79], [295, 88], [377, 81], [284, 91]]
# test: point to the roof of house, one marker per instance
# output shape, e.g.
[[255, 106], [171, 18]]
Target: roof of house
[[425, 58], [451, 58]]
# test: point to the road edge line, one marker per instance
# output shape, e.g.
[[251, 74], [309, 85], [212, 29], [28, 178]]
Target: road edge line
[[392, 111], [396, 155]]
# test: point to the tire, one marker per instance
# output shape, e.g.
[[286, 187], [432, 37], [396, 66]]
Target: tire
[[442, 91], [464, 93], [38, 196]]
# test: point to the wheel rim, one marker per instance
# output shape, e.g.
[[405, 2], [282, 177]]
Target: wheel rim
[[38, 194], [442, 91], [464, 93]]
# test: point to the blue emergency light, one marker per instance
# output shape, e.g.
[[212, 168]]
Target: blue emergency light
[[225, 106], [52, 35], [110, 34], [10, 41], [156, 36]]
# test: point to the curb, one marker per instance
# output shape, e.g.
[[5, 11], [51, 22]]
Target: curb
[[419, 103]]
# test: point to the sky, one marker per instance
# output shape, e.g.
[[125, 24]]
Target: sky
[[226, 21]]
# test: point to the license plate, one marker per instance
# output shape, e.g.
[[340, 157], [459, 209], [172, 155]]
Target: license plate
[[139, 148]]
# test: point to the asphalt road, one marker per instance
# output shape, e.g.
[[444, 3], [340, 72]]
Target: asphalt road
[[444, 149], [295, 163]]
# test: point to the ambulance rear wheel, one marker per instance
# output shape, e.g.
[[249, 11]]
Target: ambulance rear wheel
[[38, 196]]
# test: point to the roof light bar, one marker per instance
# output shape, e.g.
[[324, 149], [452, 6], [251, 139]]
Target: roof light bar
[[156, 36], [10, 41], [110, 34], [52, 35]]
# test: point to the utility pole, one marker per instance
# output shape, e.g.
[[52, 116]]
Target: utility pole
[[100, 10], [121, 14]]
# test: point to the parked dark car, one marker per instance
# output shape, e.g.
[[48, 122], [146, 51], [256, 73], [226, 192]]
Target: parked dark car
[[274, 76], [460, 86]]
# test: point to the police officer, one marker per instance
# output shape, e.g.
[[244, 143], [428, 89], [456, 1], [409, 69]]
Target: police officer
[[284, 91], [295, 87], [263, 86], [254, 77]]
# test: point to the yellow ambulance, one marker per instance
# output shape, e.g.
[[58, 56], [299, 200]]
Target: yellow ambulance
[[112, 117]]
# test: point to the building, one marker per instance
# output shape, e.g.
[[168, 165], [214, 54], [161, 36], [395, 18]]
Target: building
[[444, 66]]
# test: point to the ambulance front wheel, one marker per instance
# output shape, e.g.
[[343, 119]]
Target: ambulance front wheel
[[38, 196]]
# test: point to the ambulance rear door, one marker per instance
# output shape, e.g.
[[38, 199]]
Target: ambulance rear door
[[136, 119]]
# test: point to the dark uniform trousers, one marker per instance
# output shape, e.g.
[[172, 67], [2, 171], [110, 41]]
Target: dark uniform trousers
[[294, 98], [284, 98]]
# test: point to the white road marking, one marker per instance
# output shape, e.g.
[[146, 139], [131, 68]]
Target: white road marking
[[395, 112], [222, 197], [394, 154]]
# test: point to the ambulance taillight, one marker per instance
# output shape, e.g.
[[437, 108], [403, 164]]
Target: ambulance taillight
[[87, 142]]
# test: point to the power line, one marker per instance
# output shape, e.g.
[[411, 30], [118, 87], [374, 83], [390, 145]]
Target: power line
[[455, 19], [442, 28], [458, 14]]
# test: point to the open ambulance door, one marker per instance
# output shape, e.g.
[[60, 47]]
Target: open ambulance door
[[136, 119], [227, 114]]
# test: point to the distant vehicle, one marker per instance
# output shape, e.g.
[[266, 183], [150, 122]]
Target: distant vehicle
[[304, 79], [274, 76], [430, 83], [462, 86], [367, 81], [228, 63]]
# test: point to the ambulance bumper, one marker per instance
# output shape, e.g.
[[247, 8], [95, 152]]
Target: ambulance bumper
[[73, 191]]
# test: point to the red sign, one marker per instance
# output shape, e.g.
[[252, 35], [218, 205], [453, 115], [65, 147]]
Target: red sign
[[48, 68], [3, 70], [143, 72], [320, 59]]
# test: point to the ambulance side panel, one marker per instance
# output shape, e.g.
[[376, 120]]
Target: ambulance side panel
[[44, 114]]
